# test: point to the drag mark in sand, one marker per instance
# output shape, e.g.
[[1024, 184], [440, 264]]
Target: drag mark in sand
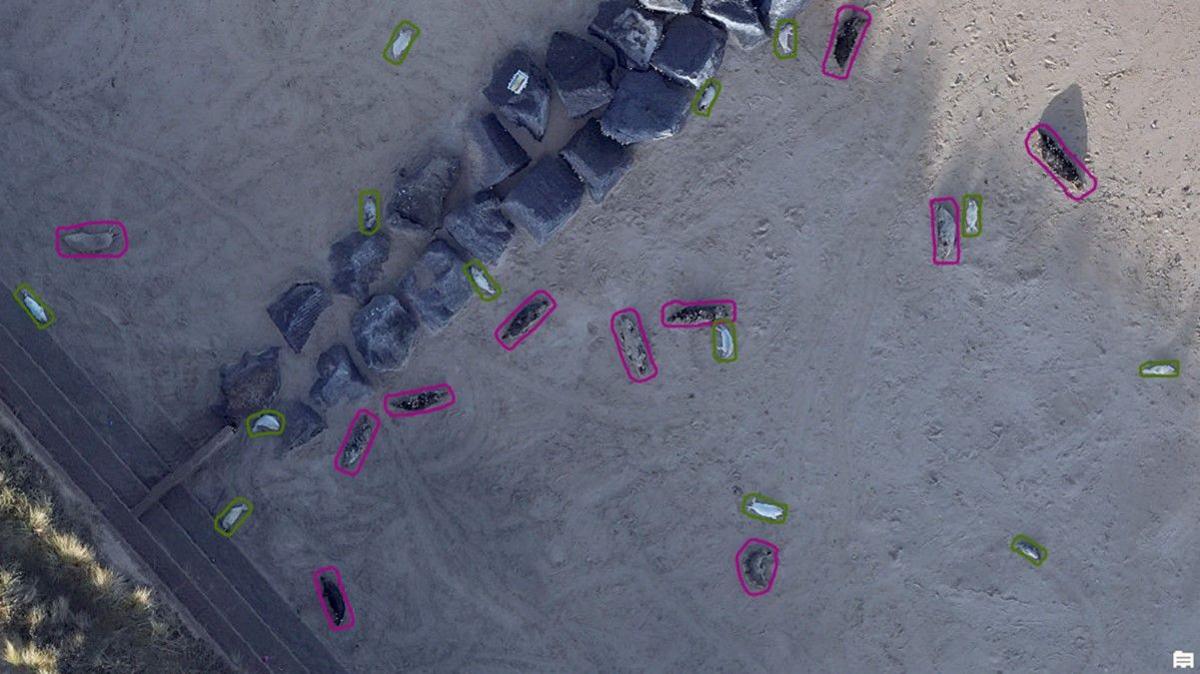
[[525, 320], [356, 444], [94, 240], [850, 25], [1045, 147], [696, 313], [944, 231], [418, 401], [757, 563], [331, 593], [633, 347]]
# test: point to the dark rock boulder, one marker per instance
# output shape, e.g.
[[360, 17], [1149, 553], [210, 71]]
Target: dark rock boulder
[[383, 333], [520, 93], [356, 263], [670, 6], [338, 378], [436, 286], [599, 160], [301, 424], [479, 227], [420, 193], [249, 385], [739, 17], [647, 106], [492, 153], [296, 311], [691, 50], [770, 12], [545, 199], [580, 72], [633, 32]]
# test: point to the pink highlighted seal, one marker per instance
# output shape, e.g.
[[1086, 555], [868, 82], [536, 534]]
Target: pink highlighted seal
[[1075, 193], [339, 614], [951, 203], [751, 558], [687, 314], [418, 401], [850, 25], [525, 320], [93, 240], [357, 443], [633, 347]]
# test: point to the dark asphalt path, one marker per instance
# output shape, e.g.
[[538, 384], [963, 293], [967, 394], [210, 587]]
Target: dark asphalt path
[[116, 467]]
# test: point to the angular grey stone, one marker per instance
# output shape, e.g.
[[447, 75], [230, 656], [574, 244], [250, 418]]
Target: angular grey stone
[[545, 199], [771, 11], [338, 378], [670, 6], [633, 32], [530, 108], [580, 72], [492, 153], [740, 18], [249, 385], [647, 106], [383, 333], [296, 311], [420, 192], [436, 285], [599, 160], [691, 50], [301, 423], [479, 227], [357, 261]]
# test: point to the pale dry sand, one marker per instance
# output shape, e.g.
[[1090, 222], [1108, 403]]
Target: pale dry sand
[[560, 518]]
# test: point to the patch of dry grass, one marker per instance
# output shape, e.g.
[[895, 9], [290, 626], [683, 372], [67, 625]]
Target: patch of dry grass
[[61, 608]]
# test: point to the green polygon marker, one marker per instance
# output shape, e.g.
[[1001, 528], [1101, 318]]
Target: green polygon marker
[[795, 41], [966, 205], [1159, 369], [363, 195], [241, 519], [413, 32], [1042, 553], [700, 92], [261, 413], [754, 498], [477, 265], [716, 332], [19, 295]]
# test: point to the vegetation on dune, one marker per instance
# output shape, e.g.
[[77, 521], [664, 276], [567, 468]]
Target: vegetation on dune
[[61, 608]]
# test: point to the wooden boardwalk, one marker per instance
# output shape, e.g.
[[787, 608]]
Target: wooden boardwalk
[[115, 465]]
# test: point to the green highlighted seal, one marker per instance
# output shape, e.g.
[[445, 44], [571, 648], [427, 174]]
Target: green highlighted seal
[[1029, 549], [759, 507], [37, 311], [404, 36], [1159, 369], [724, 341], [706, 97], [265, 423], [233, 516], [971, 224], [481, 280], [368, 212], [788, 47]]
